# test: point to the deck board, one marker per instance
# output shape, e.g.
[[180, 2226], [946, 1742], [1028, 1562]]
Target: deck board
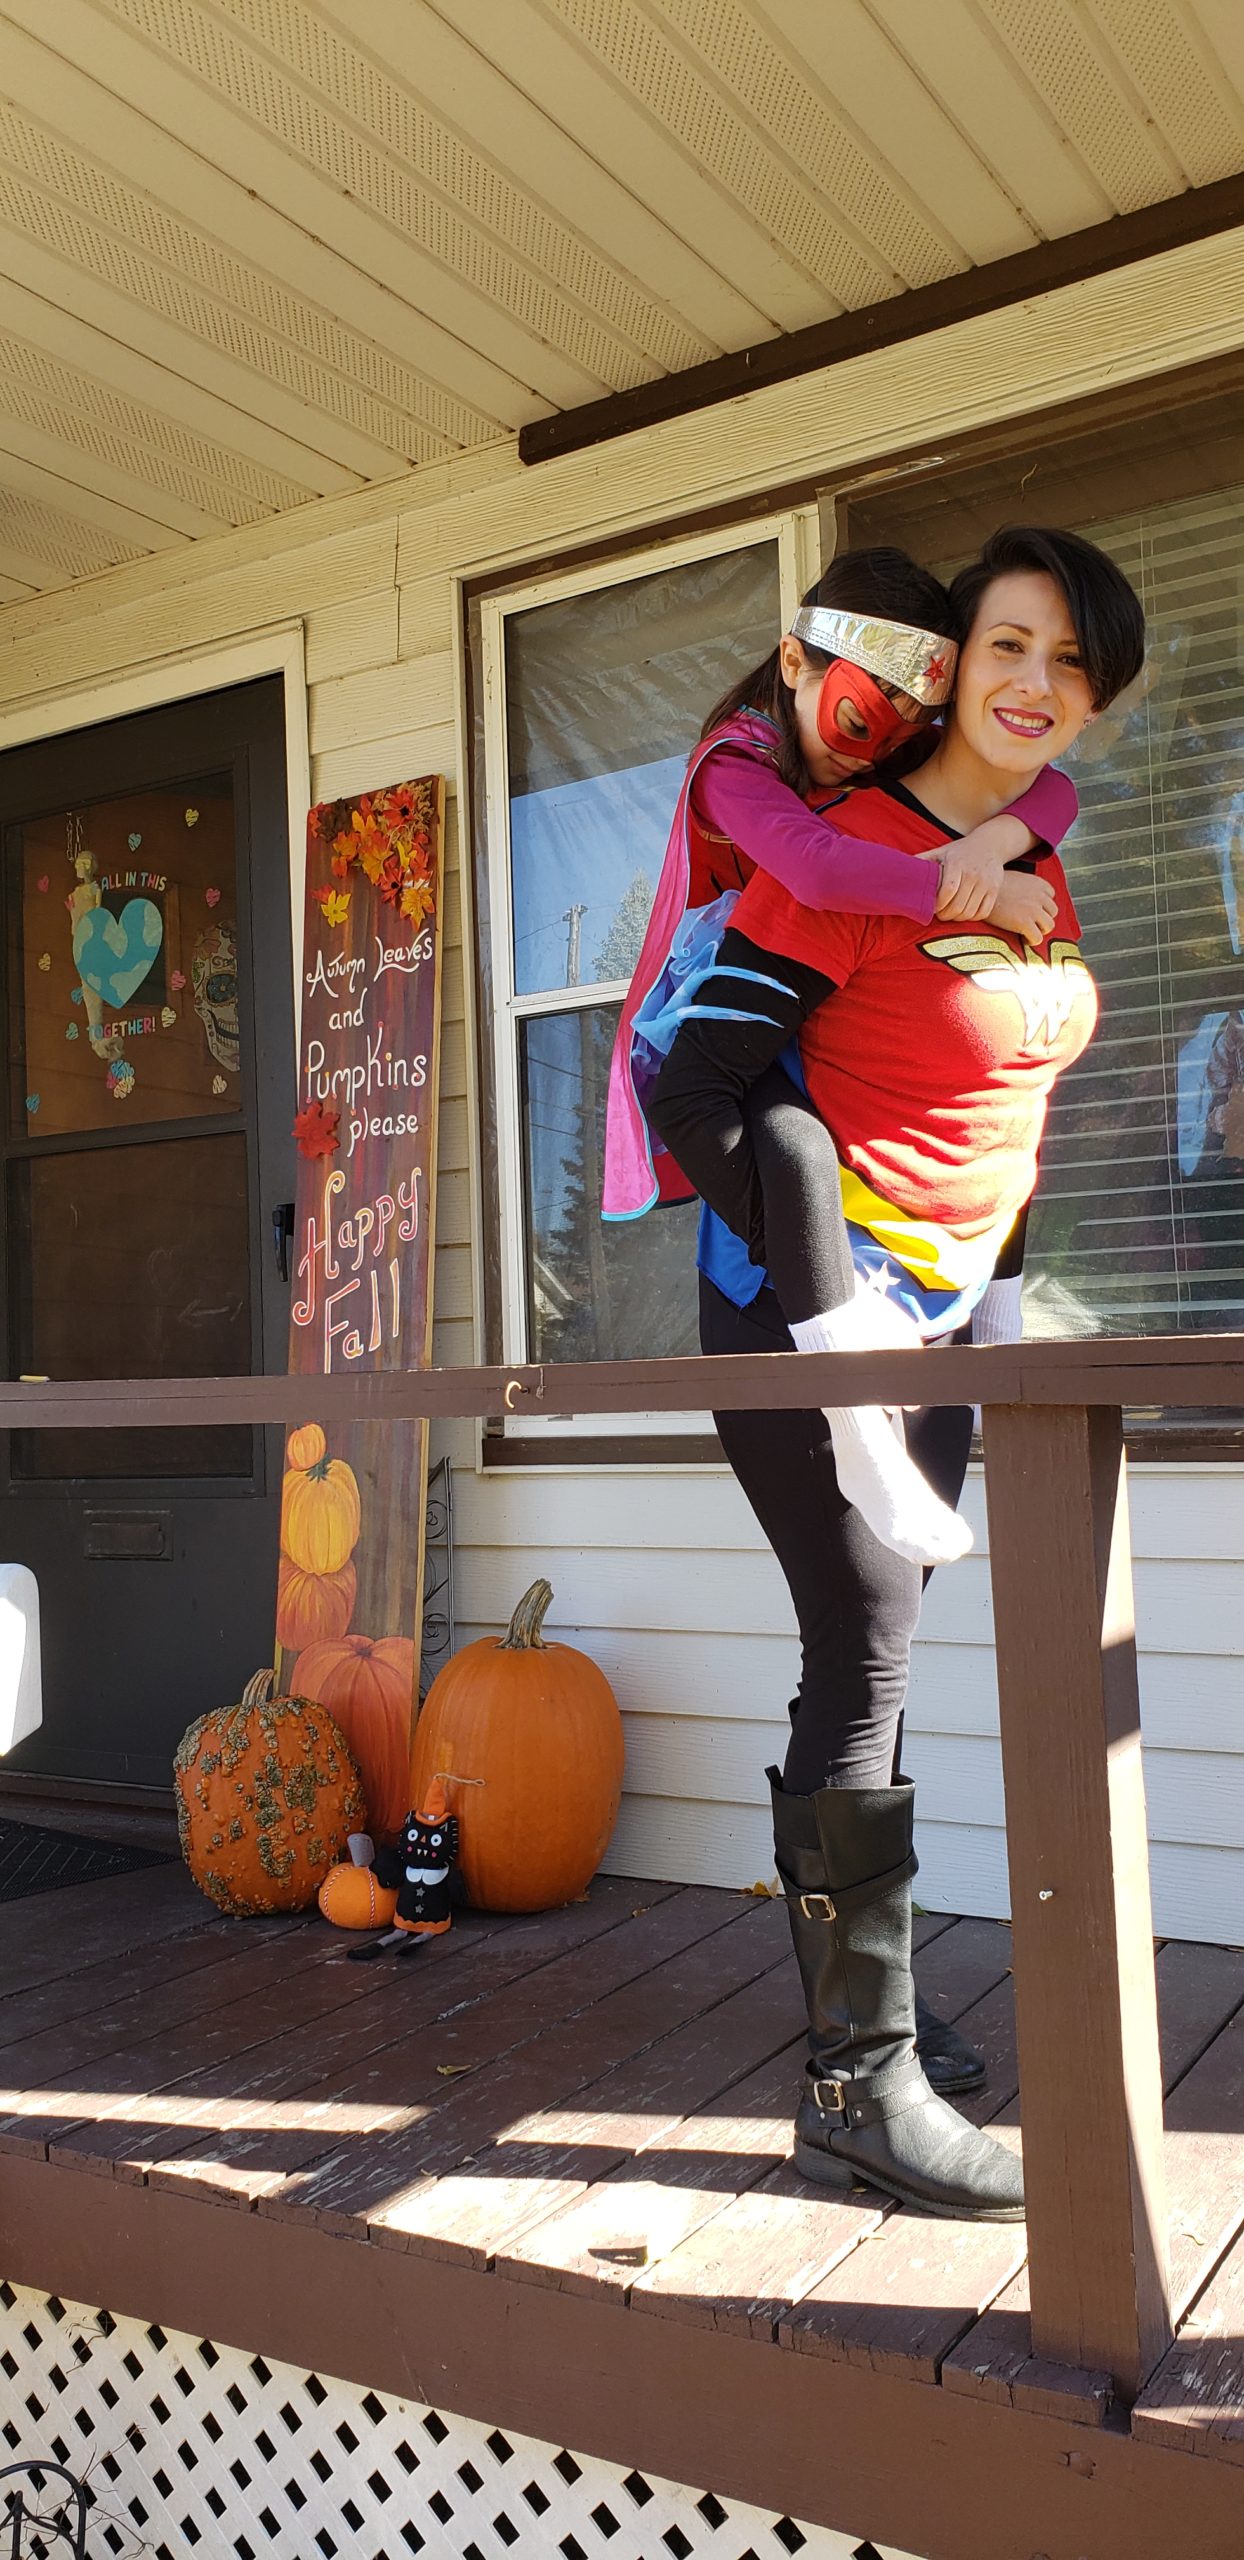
[[596, 2102], [1199, 1991], [221, 2111]]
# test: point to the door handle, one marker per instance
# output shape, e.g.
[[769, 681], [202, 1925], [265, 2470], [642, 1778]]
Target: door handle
[[282, 1231]]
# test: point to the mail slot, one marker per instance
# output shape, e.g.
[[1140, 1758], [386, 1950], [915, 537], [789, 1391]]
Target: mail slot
[[129, 1537]]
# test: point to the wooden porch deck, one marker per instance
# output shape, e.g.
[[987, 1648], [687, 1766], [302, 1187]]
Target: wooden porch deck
[[592, 2107]]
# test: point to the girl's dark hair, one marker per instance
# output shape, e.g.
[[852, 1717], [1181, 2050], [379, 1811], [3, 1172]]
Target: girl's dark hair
[[881, 580], [1105, 611]]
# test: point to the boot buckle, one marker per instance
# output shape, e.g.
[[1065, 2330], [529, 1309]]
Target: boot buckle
[[818, 1906], [834, 2101]]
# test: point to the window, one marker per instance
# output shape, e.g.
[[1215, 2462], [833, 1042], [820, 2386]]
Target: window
[[596, 689], [1138, 1225]]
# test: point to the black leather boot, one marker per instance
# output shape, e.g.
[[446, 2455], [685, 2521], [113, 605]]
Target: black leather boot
[[869, 2115], [951, 2065]]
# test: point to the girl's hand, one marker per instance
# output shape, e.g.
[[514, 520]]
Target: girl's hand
[[973, 870], [1025, 905]]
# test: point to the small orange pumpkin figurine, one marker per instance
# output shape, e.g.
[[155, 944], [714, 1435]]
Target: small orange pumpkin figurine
[[352, 1895]]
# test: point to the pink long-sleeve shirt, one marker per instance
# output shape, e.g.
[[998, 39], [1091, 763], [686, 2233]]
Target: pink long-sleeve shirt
[[738, 800]]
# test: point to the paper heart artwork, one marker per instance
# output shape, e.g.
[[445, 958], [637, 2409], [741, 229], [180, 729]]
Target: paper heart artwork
[[115, 953], [168, 1016], [71, 1030], [133, 842], [76, 996], [192, 817], [177, 981], [42, 885], [219, 1085], [212, 896], [32, 1102], [45, 959]]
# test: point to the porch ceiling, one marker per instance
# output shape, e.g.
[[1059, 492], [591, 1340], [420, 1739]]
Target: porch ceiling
[[257, 251]]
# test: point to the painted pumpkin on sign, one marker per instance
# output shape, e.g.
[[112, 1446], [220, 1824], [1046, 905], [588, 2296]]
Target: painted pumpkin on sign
[[312, 1607], [320, 1512], [536, 1727], [368, 1687], [267, 1796]]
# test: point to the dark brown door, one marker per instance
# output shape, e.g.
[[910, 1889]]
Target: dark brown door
[[146, 1144]]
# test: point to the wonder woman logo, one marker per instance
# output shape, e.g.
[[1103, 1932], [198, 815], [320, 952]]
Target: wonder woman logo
[[1044, 988]]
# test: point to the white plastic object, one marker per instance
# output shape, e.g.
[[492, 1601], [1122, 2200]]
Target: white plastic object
[[21, 1674]]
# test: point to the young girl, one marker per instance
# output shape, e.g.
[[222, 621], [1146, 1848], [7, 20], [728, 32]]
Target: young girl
[[863, 671]]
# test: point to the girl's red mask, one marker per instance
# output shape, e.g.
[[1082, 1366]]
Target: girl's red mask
[[885, 725]]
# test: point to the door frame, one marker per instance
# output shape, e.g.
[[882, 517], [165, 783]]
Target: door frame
[[281, 650]]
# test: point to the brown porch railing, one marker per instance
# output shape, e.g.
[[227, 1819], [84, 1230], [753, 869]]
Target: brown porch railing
[[1060, 1560]]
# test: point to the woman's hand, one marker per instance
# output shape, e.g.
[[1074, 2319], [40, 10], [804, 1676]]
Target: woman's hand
[[973, 870]]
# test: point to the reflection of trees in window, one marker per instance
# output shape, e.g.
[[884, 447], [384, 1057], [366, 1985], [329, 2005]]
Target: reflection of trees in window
[[618, 955], [597, 1291]]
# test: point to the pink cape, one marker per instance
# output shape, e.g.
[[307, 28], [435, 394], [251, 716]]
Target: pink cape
[[635, 1179]]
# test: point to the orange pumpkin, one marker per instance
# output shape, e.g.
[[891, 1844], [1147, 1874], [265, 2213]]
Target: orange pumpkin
[[320, 1514], [352, 1898], [312, 1607], [536, 1726], [305, 1446], [368, 1687], [267, 1796]]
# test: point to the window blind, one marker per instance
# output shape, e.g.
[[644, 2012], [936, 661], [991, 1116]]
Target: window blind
[[1138, 1225]]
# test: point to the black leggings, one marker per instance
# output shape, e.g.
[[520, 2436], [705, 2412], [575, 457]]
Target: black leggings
[[856, 1602]]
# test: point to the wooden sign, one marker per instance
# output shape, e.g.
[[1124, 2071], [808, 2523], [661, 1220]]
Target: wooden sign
[[350, 1595]]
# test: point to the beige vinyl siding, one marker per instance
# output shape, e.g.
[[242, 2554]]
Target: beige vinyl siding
[[665, 1580], [662, 1575]]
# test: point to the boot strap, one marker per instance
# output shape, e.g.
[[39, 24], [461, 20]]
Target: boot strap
[[849, 2103], [851, 1897]]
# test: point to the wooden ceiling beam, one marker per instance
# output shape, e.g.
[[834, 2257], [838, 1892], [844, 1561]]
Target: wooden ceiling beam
[[1123, 241]]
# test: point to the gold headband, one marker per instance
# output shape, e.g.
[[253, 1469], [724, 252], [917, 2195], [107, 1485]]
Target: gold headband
[[921, 663]]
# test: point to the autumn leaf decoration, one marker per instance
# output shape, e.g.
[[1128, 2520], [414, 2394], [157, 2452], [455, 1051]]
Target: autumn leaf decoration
[[388, 836], [315, 1130]]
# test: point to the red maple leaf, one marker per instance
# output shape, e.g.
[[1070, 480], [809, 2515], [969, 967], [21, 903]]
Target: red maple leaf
[[316, 1130]]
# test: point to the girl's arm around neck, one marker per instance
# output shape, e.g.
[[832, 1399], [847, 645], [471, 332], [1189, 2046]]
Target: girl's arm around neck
[[819, 862]]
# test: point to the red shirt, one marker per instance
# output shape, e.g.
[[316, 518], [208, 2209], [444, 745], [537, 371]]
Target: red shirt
[[932, 1062]]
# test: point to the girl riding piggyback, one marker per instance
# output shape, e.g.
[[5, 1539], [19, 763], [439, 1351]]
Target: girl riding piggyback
[[860, 676]]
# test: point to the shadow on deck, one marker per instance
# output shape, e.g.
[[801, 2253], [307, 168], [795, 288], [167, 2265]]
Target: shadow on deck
[[588, 2113]]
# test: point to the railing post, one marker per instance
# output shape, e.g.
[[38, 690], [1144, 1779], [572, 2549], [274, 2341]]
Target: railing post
[[1090, 2080]]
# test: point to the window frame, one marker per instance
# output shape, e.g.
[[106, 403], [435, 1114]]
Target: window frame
[[795, 531]]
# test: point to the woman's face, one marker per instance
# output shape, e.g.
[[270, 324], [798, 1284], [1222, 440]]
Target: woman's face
[[1021, 694], [827, 765]]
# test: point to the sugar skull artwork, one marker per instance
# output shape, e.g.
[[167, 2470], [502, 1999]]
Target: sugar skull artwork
[[214, 982]]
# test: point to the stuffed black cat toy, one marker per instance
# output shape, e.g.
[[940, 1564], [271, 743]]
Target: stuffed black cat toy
[[419, 1867]]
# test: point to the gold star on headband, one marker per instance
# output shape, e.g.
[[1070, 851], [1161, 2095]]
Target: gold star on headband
[[921, 663]]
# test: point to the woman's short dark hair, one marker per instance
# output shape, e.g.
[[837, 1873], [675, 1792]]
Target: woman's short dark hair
[[880, 580], [1105, 611]]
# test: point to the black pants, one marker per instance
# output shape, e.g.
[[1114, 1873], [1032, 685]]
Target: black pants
[[856, 1602]]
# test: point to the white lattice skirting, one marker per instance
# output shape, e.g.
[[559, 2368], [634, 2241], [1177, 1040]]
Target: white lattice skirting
[[189, 2447]]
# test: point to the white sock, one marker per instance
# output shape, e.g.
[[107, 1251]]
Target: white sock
[[874, 1470]]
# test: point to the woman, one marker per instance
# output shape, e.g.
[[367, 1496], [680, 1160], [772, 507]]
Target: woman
[[927, 1055], [863, 670]]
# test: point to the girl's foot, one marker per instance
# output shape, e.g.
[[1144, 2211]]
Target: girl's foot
[[874, 1470]]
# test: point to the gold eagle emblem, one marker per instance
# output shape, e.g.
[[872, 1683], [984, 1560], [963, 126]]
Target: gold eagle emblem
[[1045, 987]]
